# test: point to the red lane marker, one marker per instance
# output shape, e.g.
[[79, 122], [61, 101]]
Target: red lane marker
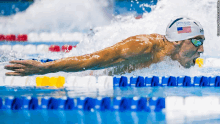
[[2, 37], [10, 37], [54, 48], [22, 37], [67, 48], [138, 17]]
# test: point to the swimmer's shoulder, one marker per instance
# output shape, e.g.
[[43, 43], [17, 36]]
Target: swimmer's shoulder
[[153, 38], [146, 39], [157, 41], [149, 36]]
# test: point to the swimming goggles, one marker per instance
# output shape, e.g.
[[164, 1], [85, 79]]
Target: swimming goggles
[[197, 42]]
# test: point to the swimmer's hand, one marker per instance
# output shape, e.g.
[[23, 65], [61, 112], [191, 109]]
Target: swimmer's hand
[[25, 67]]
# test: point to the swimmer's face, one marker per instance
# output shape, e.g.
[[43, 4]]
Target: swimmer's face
[[188, 52]]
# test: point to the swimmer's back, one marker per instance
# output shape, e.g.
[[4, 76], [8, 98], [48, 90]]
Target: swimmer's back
[[135, 49]]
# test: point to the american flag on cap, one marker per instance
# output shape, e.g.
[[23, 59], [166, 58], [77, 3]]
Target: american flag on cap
[[184, 29]]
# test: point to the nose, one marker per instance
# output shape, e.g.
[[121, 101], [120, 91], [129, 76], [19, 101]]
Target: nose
[[201, 49]]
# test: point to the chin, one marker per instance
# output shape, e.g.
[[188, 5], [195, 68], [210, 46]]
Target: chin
[[187, 65]]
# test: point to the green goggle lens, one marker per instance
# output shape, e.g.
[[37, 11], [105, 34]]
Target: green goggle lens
[[196, 42]]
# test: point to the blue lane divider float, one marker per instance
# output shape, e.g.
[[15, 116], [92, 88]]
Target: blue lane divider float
[[120, 82], [157, 104], [46, 60], [182, 81], [154, 81], [1, 103], [42, 60], [25, 103], [30, 103], [137, 82], [57, 104], [103, 103], [69, 104], [84, 104]]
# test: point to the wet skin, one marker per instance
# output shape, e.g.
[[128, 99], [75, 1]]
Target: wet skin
[[188, 52], [133, 53]]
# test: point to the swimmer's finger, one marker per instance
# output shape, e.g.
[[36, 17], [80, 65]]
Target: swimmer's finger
[[13, 74], [19, 70], [14, 66], [24, 62]]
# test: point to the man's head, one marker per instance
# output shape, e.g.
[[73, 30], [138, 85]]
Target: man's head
[[187, 35]]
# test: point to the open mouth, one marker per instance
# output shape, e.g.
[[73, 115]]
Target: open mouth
[[194, 60]]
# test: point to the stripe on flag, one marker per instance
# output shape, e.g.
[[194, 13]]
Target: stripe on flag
[[184, 29]]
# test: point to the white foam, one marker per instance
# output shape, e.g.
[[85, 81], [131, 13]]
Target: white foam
[[212, 62], [50, 18], [57, 16], [202, 10]]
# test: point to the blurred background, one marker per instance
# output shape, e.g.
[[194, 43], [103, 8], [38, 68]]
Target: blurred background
[[96, 24], [10, 7]]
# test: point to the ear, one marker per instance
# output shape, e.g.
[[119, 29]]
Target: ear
[[177, 43]]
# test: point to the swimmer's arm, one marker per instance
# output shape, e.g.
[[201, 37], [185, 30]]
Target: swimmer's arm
[[79, 63], [101, 59]]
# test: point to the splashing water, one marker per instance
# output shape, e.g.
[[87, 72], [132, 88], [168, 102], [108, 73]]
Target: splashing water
[[79, 16], [57, 16]]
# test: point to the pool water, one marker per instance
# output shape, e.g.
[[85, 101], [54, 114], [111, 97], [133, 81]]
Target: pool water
[[79, 116], [110, 92]]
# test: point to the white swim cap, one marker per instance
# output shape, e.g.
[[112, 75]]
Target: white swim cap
[[183, 28]]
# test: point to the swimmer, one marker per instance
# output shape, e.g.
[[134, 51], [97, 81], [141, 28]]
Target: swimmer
[[183, 42]]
